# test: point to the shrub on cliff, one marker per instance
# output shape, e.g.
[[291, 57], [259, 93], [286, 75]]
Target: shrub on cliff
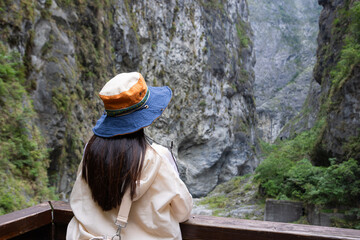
[[272, 172], [287, 174]]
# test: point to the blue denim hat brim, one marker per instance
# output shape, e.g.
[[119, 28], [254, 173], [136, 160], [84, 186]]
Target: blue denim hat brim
[[111, 126]]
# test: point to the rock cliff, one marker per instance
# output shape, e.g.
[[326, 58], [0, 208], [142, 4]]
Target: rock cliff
[[334, 99], [337, 71], [202, 49], [285, 46]]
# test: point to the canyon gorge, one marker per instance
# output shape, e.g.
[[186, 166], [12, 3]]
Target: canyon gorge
[[241, 72]]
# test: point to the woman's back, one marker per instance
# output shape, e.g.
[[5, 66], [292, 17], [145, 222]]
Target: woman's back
[[119, 164]]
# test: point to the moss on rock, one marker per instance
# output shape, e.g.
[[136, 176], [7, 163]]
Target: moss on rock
[[236, 198]]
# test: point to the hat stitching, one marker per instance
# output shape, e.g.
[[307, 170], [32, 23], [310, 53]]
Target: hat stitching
[[133, 108]]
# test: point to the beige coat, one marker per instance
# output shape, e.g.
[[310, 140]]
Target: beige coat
[[161, 202]]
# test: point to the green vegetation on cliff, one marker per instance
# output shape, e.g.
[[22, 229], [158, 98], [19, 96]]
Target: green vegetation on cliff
[[350, 53], [23, 155], [236, 198]]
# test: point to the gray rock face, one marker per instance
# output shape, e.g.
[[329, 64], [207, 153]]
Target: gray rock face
[[204, 53], [56, 97], [344, 120], [285, 45], [201, 49], [307, 117]]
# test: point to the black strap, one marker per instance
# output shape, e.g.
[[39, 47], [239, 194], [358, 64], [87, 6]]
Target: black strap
[[151, 141]]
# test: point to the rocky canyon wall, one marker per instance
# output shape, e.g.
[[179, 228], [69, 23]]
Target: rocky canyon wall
[[285, 46], [202, 49], [333, 103], [340, 87]]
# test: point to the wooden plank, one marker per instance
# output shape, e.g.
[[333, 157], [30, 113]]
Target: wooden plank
[[22, 221], [208, 227]]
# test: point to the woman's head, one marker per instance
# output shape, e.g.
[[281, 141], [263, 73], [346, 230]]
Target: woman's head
[[114, 155], [110, 165]]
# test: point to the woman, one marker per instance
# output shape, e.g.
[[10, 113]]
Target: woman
[[125, 186]]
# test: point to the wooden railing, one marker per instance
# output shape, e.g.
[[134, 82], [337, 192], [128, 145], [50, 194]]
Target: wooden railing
[[49, 221]]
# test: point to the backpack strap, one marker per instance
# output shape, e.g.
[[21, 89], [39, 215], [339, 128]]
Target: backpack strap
[[124, 209], [123, 215]]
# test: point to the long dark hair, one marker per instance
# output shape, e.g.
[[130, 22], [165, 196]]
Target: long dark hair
[[111, 165]]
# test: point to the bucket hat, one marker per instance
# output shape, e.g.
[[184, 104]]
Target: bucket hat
[[130, 105]]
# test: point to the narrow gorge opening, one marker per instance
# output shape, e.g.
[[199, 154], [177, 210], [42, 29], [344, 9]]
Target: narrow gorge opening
[[285, 43]]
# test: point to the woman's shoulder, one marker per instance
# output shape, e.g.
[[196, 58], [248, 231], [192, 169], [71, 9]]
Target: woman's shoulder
[[161, 151]]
